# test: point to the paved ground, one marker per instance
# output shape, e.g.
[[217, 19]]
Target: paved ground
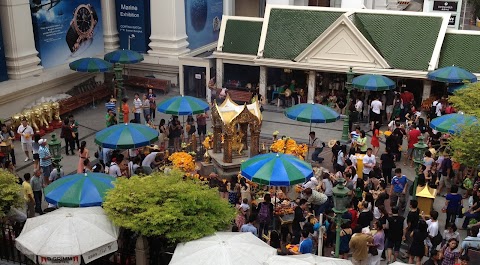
[[92, 120]]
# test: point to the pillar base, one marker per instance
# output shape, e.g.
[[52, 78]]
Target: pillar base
[[168, 48], [111, 42], [24, 66]]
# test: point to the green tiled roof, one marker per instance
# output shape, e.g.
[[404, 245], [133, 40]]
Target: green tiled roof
[[461, 50], [406, 42], [242, 36], [291, 31]]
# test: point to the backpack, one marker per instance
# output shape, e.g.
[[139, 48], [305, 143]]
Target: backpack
[[433, 110], [263, 214]]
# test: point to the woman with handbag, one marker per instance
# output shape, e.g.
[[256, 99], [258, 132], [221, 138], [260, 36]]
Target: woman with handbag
[[378, 243], [68, 134]]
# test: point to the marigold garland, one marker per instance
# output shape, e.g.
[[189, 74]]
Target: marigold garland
[[289, 146], [182, 161]]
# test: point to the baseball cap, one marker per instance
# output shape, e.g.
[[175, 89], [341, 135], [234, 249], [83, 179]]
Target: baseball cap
[[41, 141]]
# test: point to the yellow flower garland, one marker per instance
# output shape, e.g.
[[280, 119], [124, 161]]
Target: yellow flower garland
[[182, 161], [289, 146]]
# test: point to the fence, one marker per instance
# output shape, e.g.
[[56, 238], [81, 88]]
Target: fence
[[125, 255]]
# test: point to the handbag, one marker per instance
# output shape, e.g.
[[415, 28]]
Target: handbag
[[373, 250]]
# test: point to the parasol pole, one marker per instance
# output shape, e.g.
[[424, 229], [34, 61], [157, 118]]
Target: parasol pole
[[320, 236], [309, 141]]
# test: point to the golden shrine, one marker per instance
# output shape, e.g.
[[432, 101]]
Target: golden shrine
[[425, 197], [235, 122]]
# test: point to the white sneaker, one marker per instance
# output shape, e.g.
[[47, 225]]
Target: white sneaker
[[26, 159]]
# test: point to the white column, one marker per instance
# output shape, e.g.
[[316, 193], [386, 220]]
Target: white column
[[110, 31], [219, 77], [169, 37], [207, 80], [263, 81], [20, 53], [427, 89], [311, 87], [181, 79], [229, 7]]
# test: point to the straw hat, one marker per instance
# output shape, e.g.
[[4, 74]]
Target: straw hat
[[331, 143], [155, 147]]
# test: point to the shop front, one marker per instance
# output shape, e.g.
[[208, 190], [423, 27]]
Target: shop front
[[284, 46]]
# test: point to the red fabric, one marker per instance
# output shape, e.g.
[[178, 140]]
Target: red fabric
[[375, 142], [354, 217], [413, 137], [407, 97]]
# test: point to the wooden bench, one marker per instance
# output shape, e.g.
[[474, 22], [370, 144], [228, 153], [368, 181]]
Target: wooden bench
[[146, 82], [240, 96], [101, 91]]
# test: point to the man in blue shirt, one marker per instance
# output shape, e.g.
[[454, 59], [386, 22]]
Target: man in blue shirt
[[45, 160], [306, 245], [398, 191], [249, 227]]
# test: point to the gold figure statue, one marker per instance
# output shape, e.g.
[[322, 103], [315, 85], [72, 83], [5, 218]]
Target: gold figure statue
[[237, 144], [29, 115], [207, 143], [47, 112], [206, 157], [56, 111], [42, 121]]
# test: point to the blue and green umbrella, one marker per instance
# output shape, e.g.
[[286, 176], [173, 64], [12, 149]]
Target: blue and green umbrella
[[454, 87], [452, 123], [183, 105], [123, 57], [312, 113], [91, 65], [276, 169], [373, 83], [452, 74], [126, 136], [79, 190]]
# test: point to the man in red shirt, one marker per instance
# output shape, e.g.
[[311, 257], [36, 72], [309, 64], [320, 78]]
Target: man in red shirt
[[412, 137]]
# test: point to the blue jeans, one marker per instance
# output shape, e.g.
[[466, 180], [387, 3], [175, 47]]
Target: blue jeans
[[315, 154], [469, 216], [47, 170]]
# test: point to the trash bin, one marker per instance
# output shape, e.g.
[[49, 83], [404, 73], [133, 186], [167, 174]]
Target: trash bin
[[360, 165]]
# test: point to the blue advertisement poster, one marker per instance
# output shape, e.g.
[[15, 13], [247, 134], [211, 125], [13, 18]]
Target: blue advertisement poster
[[133, 22], [3, 63], [203, 19], [66, 30]]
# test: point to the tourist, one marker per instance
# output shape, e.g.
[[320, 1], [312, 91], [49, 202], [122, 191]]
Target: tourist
[[362, 143], [345, 236], [163, 137], [473, 212], [359, 245], [464, 260], [412, 138], [450, 256], [428, 161], [417, 248], [450, 232], [249, 226], [316, 200], [369, 163], [45, 160], [35, 147], [265, 215], [190, 128], [28, 195], [435, 258], [453, 205], [55, 174], [366, 216], [114, 168], [74, 125], [375, 141], [413, 217], [152, 97], [340, 158], [245, 190], [395, 224], [8, 137], [125, 110], [378, 243], [312, 183], [202, 126], [434, 236], [472, 240], [83, 154], [175, 133], [67, 134], [110, 118], [137, 108], [398, 190], [375, 115], [318, 146], [26, 132], [327, 187], [37, 185], [306, 244], [397, 107], [387, 163], [447, 174], [145, 106], [298, 218]]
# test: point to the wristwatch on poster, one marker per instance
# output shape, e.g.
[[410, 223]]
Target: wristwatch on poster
[[81, 27]]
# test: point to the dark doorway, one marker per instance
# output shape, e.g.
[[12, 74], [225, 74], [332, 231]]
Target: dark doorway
[[194, 81]]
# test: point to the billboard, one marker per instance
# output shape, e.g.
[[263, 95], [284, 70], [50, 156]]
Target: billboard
[[202, 19], [3, 63], [66, 30], [133, 23]]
